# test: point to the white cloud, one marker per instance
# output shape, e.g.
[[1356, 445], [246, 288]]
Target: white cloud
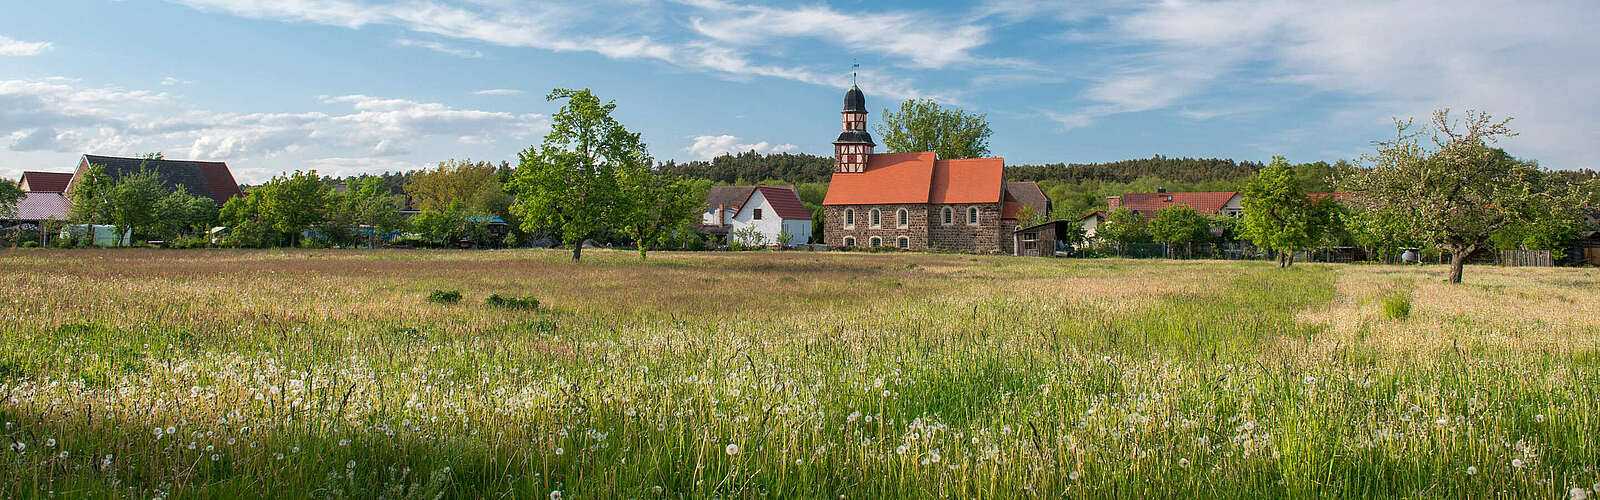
[[60, 115], [171, 81], [924, 39], [13, 47], [1388, 58], [440, 48], [498, 92], [706, 147]]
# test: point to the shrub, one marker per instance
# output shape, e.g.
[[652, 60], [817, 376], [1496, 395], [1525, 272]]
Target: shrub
[[496, 300], [1397, 305], [443, 297]]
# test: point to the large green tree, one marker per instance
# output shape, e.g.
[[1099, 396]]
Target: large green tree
[[923, 125], [1278, 216], [568, 183], [91, 196], [133, 203], [1123, 227], [369, 205], [450, 182], [181, 214], [1180, 225], [652, 206], [1457, 192], [293, 203]]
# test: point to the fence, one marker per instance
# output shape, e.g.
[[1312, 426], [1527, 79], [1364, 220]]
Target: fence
[[1526, 258]]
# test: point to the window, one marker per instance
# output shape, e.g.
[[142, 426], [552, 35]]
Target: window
[[1030, 236], [874, 218], [758, 214], [972, 216], [903, 242], [902, 218], [849, 218], [947, 216], [849, 241], [875, 242]]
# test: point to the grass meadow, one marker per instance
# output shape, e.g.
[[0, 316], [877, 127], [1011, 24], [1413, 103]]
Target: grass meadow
[[301, 374]]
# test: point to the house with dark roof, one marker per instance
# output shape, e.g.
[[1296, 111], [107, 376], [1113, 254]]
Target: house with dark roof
[[765, 213], [916, 201], [199, 178]]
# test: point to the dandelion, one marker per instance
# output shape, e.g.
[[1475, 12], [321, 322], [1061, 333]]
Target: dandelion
[[934, 456], [1443, 421], [1472, 471], [1074, 475], [50, 443], [560, 450], [19, 446], [1516, 463], [1539, 418], [158, 433], [1183, 462], [798, 462], [900, 450], [732, 449], [555, 495], [215, 457], [1578, 494], [344, 442]]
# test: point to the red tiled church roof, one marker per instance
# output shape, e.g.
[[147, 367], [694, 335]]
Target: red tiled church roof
[[919, 178]]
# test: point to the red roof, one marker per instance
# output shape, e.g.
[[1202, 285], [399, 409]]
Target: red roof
[[976, 180], [52, 182], [890, 178], [1147, 204], [784, 202], [919, 178]]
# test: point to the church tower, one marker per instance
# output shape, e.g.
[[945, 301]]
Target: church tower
[[854, 145]]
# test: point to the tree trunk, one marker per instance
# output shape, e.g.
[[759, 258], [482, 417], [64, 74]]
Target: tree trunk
[[577, 251], [640, 244], [1458, 261]]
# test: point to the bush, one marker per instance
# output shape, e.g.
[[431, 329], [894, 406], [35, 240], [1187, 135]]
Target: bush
[[1397, 305], [525, 303], [30, 244], [443, 297]]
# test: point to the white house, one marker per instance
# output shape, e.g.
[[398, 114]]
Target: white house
[[763, 212], [1091, 223]]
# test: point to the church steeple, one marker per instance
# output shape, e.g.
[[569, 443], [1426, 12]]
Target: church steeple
[[854, 145]]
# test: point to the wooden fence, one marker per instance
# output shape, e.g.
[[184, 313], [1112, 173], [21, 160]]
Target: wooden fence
[[1526, 258]]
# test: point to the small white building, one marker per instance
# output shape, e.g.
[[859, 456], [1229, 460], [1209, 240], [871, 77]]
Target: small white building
[[760, 216], [1091, 223]]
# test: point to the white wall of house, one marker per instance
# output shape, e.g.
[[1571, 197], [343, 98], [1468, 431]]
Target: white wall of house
[[712, 216], [1090, 224], [1234, 206], [770, 225]]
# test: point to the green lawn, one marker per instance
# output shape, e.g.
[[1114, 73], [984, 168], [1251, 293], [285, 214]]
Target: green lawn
[[782, 375]]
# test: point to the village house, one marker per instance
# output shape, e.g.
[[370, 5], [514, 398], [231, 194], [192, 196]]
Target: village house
[[916, 201], [199, 178], [768, 213]]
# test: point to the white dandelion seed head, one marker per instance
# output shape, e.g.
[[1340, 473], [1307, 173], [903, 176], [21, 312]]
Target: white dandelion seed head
[[732, 449], [1472, 471], [1539, 418], [555, 494], [50, 443], [1516, 462], [1074, 475], [1578, 494], [560, 450]]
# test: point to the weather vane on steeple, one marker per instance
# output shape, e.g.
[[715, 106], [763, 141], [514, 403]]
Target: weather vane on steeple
[[853, 67]]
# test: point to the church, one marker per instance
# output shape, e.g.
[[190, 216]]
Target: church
[[917, 201]]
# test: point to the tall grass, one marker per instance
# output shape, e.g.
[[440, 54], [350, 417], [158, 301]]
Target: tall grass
[[781, 375]]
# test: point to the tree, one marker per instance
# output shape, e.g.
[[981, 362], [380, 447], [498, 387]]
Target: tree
[[369, 205], [91, 197], [452, 181], [1122, 227], [568, 184], [1180, 225], [293, 203], [10, 195], [179, 213], [133, 203], [652, 207], [1381, 230], [1278, 216], [922, 125], [1073, 234], [1456, 193]]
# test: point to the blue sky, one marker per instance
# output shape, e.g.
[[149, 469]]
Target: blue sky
[[350, 86]]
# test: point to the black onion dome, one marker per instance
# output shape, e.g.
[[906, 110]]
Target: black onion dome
[[854, 100], [854, 137]]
